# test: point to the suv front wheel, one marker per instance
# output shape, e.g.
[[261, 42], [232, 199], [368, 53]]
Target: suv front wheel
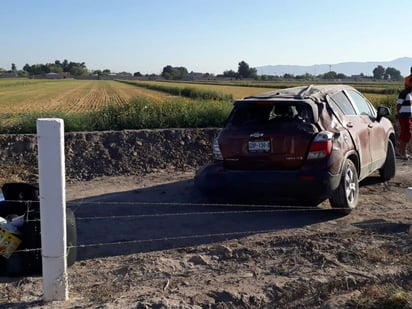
[[345, 197]]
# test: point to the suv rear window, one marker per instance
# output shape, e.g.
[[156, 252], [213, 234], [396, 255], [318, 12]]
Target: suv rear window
[[266, 113]]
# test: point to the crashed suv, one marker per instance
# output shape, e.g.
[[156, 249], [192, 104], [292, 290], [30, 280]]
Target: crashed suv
[[302, 144]]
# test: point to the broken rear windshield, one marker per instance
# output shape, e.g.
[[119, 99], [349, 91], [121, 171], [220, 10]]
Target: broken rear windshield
[[265, 113]]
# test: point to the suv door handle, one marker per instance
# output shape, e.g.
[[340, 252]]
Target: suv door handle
[[349, 125], [370, 125]]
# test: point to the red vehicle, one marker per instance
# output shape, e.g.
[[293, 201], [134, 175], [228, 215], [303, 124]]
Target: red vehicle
[[302, 144]]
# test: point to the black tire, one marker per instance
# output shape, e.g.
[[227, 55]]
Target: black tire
[[388, 170], [345, 197], [32, 260]]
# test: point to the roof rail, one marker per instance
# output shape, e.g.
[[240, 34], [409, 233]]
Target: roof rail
[[302, 93]]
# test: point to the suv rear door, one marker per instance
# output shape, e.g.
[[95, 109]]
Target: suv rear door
[[259, 136], [358, 127]]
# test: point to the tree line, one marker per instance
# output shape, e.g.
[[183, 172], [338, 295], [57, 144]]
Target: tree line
[[72, 68], [65, 67], [387, 74], [169, 72]]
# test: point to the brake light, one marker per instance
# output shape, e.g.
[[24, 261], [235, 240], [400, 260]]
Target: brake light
[[217, 154], [321, 146]]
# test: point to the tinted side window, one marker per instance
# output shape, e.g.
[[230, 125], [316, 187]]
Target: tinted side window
[[343, 103], [361, 103]]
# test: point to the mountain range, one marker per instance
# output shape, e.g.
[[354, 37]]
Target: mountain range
[[348, 68]]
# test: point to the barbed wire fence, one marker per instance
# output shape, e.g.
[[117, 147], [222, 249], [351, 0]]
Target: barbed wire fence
[[325, 214], [100, 220]]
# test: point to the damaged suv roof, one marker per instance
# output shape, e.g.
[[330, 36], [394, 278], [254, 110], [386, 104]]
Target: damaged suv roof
[[314, 92]]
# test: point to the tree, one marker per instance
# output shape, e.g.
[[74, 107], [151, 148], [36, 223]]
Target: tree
[[378, 72], [230, 73], [65, 65], [392, 74], [167, 72], [243, 70], [330, 75], [174, 73], [26, 67], [74, 68], [253, 73], [305, 76], [288, 76], [13, 67]]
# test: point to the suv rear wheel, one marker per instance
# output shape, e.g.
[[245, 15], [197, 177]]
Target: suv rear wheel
[[345, 197]]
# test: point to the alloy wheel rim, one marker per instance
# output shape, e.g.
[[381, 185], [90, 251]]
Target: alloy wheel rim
[[350, 186]]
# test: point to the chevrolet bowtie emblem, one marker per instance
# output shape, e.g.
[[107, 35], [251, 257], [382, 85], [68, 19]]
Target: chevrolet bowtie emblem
[[256, 134]]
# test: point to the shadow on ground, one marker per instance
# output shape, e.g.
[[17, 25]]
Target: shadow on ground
[[174, 215]]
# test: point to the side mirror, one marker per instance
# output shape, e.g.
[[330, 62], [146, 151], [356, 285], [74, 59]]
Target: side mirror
[[382, 112]]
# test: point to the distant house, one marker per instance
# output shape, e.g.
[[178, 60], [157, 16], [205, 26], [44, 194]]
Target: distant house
[[53, 75], [8, 74], [358, 77], [50, 75], [199, 76]]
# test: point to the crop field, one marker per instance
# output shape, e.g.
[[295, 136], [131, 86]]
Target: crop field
[[88, 105], [74, 96], [374, 92], [67, 95], [237, 91]]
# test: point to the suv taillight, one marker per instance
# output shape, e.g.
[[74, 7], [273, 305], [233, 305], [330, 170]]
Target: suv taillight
[[217, 154], [321, 146]]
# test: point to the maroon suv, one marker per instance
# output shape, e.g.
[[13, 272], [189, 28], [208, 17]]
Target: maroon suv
[[302, 144]]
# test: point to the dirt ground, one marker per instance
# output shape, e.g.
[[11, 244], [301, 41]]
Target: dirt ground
[[229, 256]]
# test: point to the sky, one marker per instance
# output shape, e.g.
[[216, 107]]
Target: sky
[[202, 35]]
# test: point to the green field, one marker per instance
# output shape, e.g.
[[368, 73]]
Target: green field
[[115, 105]]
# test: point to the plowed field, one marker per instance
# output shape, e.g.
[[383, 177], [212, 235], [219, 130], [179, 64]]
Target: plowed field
[[68, 95]]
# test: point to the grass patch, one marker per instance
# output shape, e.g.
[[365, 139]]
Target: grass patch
[[185, 91], [390, 296], [25, 123], [139, 113], [172, 113]]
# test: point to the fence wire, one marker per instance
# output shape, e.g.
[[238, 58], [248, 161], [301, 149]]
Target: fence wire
[[247, 209]]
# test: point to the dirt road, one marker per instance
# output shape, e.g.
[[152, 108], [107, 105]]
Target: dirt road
[[155, 242]]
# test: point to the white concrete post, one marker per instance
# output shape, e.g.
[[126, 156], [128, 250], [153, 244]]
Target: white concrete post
[[52, 191]]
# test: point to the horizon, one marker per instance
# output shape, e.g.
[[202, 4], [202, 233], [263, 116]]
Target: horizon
[[404, 70], [208, 36]]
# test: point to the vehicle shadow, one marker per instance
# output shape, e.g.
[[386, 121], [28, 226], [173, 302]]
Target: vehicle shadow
[[383, 226], [371, 181], [174, 215]]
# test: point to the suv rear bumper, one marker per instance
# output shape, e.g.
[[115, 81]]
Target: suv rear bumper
[[308, 187]]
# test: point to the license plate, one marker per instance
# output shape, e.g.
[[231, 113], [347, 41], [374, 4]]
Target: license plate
[[259, 146]]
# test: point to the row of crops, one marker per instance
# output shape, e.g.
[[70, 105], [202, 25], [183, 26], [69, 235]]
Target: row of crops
[[90, 105]]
